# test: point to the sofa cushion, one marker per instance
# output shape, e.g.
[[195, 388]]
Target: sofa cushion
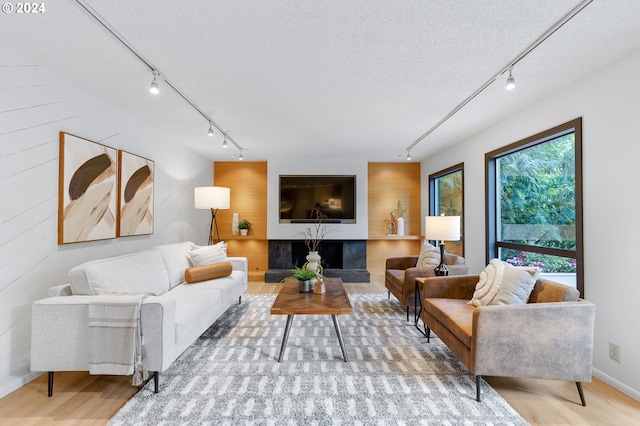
[[429, 256], [455, 314], [501, 283], [196, 274], [207, 255], [176, 260], [137, 273]]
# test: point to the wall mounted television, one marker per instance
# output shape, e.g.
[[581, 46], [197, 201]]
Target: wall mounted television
[[335, 195]]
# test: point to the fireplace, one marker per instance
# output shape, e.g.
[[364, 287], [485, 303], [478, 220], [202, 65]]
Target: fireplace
[[344, 259]]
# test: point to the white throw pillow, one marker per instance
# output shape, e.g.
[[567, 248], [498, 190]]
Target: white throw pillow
[[429, 256], [517, 284], [207, 255], [501, 283]]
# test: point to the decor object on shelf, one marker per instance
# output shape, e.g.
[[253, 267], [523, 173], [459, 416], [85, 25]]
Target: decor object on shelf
[[244, 226], [442, 228], [234, 224], [135, 195], [395, 220], [86, 190], [214, 198]]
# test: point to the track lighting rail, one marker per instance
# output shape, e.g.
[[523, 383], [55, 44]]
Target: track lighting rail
[[156, 73]]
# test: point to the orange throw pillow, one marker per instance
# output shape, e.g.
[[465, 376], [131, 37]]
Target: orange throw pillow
[[196, 274]]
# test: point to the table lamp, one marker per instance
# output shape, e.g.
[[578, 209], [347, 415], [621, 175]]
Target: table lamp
[[442, 228], [214, 198]]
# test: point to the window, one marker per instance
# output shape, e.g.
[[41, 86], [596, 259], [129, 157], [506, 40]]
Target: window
[[446, 197], [534, 203]]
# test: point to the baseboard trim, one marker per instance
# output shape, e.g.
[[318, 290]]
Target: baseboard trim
[[614, 383], [19, 382]]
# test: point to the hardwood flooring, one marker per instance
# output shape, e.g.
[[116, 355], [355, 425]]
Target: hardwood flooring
[[82, 399]]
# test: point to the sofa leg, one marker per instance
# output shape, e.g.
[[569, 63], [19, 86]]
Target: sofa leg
[[50, 384], [407, 313], [239, 300], [584, 403], [478, 387], [156, 377], [388, 294]]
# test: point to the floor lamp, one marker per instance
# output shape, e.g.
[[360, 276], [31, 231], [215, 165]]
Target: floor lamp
[[214, 198], [442, 228]]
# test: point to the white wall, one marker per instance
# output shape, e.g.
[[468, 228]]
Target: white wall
[[609, 102], [34, 106], [346, 231]]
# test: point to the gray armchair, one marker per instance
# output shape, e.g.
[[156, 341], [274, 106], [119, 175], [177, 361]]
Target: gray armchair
[[401, 273], [550, 337]]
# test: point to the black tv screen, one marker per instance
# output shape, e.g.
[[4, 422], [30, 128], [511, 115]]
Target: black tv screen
[[334, 195]]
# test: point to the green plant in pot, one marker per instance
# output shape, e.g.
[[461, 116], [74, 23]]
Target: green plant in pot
[[306, 278], [244, 226]]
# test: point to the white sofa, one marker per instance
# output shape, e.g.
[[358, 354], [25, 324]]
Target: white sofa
[[172, 315]]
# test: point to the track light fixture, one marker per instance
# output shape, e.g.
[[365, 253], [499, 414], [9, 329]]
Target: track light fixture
[[408, 155], [154, 84], [224, 143], [157, 75], [511, 82], [240, 157]]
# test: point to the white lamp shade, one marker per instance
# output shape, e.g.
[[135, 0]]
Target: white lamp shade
[[443, 228], [212, 197]]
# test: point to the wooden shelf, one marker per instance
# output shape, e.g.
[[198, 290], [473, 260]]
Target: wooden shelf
[[394, 237], [245, 237]]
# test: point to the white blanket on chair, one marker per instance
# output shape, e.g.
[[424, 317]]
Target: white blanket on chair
[[115, 337]]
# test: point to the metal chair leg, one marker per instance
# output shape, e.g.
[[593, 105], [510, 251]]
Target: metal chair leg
[[156, 376], [478, 378], [239, 300], [407, 313], [584, 402], [428, 335], [50, 384], [388, 294]]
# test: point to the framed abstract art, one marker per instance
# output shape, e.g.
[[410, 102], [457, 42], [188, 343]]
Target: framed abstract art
[[87, 190], [135, 195]]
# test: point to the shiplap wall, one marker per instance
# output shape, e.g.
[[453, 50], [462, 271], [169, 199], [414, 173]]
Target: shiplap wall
[[34, 106]]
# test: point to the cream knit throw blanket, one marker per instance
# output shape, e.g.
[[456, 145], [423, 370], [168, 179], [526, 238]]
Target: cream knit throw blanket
[[115, 336]]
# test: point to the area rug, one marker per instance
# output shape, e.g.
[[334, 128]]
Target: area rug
[[230, 375]]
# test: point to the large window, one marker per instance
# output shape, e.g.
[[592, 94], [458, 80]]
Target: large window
[[534, 203], [446, 197]]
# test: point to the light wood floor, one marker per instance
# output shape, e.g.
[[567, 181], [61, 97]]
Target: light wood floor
[[82, 399]]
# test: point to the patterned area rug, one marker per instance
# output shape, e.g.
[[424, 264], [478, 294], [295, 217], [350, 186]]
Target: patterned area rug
[[231, 376]]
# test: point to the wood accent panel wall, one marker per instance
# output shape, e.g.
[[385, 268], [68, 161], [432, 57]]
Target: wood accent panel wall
[[248, 183], [388, 182]]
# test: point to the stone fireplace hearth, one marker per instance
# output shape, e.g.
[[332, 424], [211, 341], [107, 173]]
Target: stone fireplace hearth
[[344, 259]]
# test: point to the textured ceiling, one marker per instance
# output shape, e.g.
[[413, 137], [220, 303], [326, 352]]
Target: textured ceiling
[[351, 79]]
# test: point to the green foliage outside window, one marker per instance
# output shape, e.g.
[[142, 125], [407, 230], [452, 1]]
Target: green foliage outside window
[[537, 202]]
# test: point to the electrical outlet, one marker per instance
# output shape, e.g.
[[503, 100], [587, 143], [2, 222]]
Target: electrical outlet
[[614, 351]]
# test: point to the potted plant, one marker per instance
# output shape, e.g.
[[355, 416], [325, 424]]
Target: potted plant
[[244, 226], [305, 276]]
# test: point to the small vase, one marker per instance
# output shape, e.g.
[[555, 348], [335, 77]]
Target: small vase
[[400, 227], [313, 262], [234, 224], [244, 232]]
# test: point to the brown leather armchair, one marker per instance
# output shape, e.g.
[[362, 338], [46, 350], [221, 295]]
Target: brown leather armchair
[[401, 273]]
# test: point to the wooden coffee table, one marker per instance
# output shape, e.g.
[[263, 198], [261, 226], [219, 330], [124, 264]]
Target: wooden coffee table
[[335, 301]]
